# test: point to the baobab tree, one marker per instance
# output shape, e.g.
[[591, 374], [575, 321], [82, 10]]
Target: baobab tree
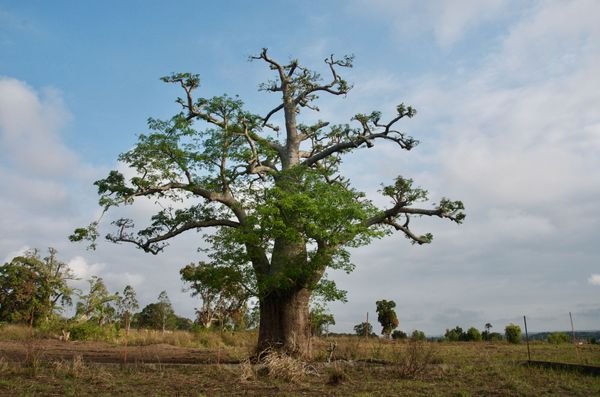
[[272, 190]]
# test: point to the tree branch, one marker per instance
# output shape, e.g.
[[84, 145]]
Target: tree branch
[[152, 244]]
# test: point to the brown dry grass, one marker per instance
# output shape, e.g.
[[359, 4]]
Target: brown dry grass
[[451, 369]]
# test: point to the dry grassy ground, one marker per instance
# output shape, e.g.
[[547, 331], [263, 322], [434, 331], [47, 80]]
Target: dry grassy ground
[[394, 369]]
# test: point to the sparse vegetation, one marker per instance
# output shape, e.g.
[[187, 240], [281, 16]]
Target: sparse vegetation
[[377, 367], [558, 338]]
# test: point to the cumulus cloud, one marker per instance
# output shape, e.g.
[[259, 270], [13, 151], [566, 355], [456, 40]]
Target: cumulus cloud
[[29, 129], [116, 280], [594, 279], [517, 140], [82, 270]]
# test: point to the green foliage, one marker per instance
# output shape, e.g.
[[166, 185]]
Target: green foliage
[[417, 335], [472, 335], [558, 338], [386, 315], [363, 329], [281, 211], [454, 335], [398, 334], [158, 315], [126, 306], [512, 332], [89, 330], [457, 334], [223, 288], [98, 304], [320, 320], [34, 289]]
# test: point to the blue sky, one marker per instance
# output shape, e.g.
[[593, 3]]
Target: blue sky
[[507, 92]]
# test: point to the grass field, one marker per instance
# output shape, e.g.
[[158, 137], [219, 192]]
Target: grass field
[[358, 367]]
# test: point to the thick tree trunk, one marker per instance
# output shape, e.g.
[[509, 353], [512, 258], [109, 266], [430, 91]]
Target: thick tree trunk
[[284, 322]]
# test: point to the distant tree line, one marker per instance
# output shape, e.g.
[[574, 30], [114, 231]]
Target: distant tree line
[[35, 290]]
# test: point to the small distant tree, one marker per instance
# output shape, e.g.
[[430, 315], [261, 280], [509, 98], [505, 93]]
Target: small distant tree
[[473, 335], [363, 329], [165, 309], [400, 335], [252, 317], [154, 316], [386, 315], [224, 289], [512, 332], [454, 335], [417, 335], [558, 338], [127, 305], [97, 305], [320, 320], [485, 335]]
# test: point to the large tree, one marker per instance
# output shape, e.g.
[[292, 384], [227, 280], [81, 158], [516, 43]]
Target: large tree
[[32, 288], [271, 185]]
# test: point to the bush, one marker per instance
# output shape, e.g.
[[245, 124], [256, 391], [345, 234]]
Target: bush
[[473, 334], [417, 335], [91, 331], [415, 360], [558, 338], [494, 336], [397, 334], [512, 333], [454, 335]]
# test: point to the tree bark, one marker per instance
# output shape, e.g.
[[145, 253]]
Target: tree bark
[[284, 322]]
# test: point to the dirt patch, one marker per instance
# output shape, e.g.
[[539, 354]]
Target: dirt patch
[[102, 352]]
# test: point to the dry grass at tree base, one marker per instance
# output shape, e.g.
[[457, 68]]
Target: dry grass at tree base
[[359, 367]]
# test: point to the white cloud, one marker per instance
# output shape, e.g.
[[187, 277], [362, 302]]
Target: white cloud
[[447, 21], [83, 270], [517, 140], [594, 279], [29, 129], [116, 281]]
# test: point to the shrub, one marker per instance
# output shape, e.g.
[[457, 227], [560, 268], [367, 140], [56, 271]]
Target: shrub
[[454, 335], [397, 334], [494, 336], [558, 338], [91, 331], [415, 360], [473, 334], [512, 333], [417, 335]]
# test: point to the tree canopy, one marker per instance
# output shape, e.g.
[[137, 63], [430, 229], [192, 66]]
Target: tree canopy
[[386, 315], [270, 186], [33, 288]]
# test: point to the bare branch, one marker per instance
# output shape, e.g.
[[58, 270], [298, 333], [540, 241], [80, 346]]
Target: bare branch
[[152, 244], [365, 136]]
